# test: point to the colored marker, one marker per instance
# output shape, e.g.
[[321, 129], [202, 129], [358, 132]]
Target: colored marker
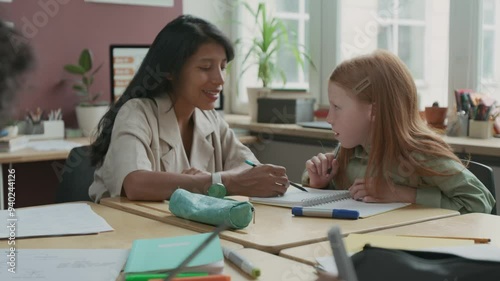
[[241, 262], [335, 213]]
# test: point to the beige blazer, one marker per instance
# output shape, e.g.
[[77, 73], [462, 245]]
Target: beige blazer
[[146, 136]]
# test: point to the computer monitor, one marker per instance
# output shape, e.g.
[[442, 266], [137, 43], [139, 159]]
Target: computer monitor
[[124, 62]]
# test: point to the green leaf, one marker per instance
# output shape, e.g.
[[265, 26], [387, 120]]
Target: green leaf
[[85, 60], [74, 69], [272, 37], [80, 88], [87, 81]]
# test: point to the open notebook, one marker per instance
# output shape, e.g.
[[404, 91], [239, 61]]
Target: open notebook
[[320, 199]]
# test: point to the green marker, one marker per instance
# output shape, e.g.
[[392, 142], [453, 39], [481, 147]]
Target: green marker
[[241, 262], [149, 276]]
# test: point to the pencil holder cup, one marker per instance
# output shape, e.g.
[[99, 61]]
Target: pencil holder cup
[[480, 129]]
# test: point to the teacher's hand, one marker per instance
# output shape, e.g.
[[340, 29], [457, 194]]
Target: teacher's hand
[[265, 180]]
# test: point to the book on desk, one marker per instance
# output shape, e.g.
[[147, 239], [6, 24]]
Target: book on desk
[[9, 144], [326, 201], [161, 255]]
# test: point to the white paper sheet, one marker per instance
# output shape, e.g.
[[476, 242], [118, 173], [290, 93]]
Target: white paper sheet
[[63, 264], [60, 219], [328, 265]]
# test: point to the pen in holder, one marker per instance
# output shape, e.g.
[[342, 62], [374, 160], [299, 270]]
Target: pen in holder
[[36, 128]]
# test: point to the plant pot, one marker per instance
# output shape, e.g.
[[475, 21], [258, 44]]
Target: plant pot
[[253, 95], [88, 118], [435, 116]]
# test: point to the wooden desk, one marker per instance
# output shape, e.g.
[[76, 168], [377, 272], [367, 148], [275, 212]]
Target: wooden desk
[[276, 229], [129, 227], [488, 147], [243, 122], [469, 225], [32, 155]]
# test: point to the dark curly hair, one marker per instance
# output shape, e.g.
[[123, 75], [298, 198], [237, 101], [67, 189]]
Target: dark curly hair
[[16, 57]]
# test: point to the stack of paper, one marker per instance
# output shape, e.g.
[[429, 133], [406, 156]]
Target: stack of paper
[[60, 219], [62, 264], [9, 144]]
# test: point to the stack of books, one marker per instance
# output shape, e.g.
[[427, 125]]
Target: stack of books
[[9, 144], [155, 258]]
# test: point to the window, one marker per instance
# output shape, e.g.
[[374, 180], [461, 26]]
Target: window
[[490, 60], [414, 30], [488, 54], [295, 15], [447, 44], [402, 31]]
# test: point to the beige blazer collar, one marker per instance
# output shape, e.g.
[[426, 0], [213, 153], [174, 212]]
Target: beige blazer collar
[[202, 148]]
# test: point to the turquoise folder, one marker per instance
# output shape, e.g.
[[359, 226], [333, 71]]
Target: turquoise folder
[[165, 254]]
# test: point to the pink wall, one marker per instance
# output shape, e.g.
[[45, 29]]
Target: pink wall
[[59, 29]]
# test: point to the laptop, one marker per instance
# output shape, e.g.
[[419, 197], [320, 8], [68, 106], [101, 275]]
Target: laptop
[[316, 125]]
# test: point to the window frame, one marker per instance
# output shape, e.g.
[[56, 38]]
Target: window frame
[[464, 53], [396, 22]]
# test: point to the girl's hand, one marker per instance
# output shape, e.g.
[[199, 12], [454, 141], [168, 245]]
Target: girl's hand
[[387, 193], [264, 180], [321, 169]]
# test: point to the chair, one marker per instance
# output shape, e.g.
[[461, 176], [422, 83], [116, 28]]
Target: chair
[[485, 175], [76, 176]]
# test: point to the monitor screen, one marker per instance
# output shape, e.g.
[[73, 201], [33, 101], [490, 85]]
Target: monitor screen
[[125, 60]]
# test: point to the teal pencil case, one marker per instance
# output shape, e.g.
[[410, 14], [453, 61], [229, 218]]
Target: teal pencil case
[[211, 210]]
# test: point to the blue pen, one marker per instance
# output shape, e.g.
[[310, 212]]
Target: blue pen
[[335, 213]]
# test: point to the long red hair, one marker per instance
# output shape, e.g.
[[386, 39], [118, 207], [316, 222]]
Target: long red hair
[[399, 135]]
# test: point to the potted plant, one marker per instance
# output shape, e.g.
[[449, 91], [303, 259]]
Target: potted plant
[[272, 35], [90, 110]]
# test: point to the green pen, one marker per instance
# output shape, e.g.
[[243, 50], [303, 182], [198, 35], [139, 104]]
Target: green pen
[[149, 276]]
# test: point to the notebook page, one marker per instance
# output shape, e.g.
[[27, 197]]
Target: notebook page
[[364, 209], [298, 198]]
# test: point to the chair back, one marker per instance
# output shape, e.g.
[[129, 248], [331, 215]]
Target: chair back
[[76, 176], [485, 175]]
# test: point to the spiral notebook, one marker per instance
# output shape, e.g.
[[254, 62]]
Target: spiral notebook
[[320, 199]]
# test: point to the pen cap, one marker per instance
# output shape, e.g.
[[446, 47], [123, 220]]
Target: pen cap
[[297, 211], [345, 214]]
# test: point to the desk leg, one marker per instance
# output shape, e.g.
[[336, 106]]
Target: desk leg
[[2, 207]]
